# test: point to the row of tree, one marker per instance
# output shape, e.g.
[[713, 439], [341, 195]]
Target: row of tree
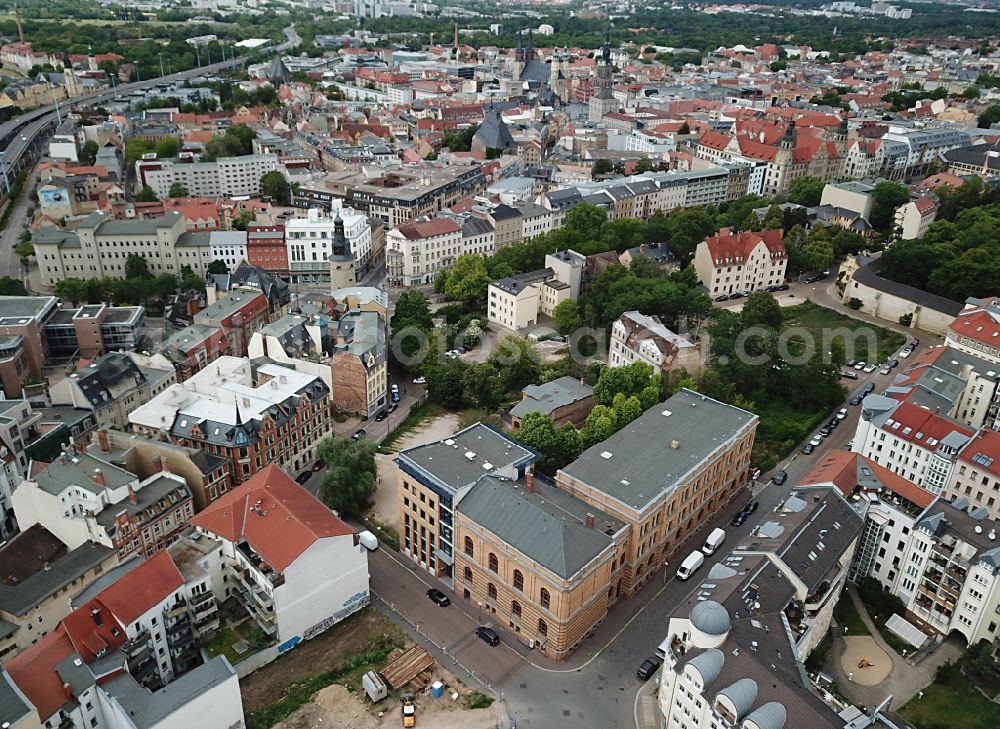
[[139, 285]]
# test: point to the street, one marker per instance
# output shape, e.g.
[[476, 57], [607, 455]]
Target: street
[[10, 264]]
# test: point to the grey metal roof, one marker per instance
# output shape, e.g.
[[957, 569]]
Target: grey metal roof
[[742, 694], [708, 664], [14, 705], [547, 525], [517, 284], [641, 463], [147, 709], [547, 397], [148, 502], [711, 618], [13, 308], [77, 469], [868, 276], [493, 132], [771, 715], [30, 593], [109, 377]]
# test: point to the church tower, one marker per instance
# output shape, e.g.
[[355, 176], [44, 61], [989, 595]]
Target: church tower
[[342, 261], [518, 67], [73, 88], [603, 100]]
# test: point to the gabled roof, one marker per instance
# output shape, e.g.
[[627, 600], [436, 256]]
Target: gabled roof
[[143, 588], [736, 247], [278, 518], [847, 471], [34, 672]]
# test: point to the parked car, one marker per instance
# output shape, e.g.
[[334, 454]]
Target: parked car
[[849, 374], [905, 353], [783, 287], [649, 666], [754, 473], [738, 519], [808, 448], [735, 296], [303, 477], [869, 386], [842, 413], [359, 434], [393, 407], [318, 465], [860, 365], [914, 342], [779, 478], [438, 597], [394, 396], [420, 381], [452, 354], [816, 440], [488, 634], [851, 362], [824, 431], [751, 507], [724, 297], [870, 367], [833, 424], [394, 388], [892, 363], [885, 370], [771, 289], [382, 415], [856, 400]]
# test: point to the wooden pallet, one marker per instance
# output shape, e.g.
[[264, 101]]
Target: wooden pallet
[[421, 681], [405, 667]]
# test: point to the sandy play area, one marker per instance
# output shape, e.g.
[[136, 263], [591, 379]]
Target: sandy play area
[[386, 498], [864, 661], [336, 708]]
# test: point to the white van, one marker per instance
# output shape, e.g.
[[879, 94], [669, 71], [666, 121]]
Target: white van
[[714, 541], [692, 562], [662, 650], [368, 540]]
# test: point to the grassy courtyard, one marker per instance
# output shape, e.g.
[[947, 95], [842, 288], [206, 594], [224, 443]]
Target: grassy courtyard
[[952, 703], [860, 339], [847, 615]]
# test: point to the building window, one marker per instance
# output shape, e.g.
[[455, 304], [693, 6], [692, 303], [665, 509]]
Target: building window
[[469, 550], [515, 607], [468, 574], [518, 580], [491, 590], [543, 628], [544, 598], [494, 563]]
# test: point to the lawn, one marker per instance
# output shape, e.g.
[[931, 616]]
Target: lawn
[[848, 617], [953, 703], [858, 337], [782, 427], [417, 417], [224, 639]]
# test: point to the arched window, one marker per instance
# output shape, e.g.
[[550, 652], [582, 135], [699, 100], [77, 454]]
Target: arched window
[[491, 589], [543, 628], [518, 580], [468, 547], [468, 574], [515, 607], [494, 563], [544, 598]]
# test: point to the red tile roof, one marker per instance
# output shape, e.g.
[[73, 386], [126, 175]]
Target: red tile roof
[[428, 228], [143, 588], [278, 518], [979, 325], [984, 443], [737, 246], [34, 672], [841, 469], [92, 639], [909, 421]]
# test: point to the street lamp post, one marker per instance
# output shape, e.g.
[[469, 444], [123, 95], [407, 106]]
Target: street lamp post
[[480, 612]]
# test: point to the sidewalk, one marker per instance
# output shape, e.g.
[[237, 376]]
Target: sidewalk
[[647, 712]]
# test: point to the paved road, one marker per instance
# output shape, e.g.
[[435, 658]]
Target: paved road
[[10, 264]]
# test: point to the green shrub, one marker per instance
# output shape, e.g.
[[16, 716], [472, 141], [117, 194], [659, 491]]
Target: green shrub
[[478, 700]]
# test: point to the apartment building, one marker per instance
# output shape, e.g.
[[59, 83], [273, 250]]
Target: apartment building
[[139, 625], [912, 219], [310, 242], [82, 498], [398, 193], [416, 251], [910, 440], [100, 246], [636, 337], [924, 147], [113, 385], [266, 248], [247, 413], [951, 581], [976, 329], [976, 474], [360, 362], [537, 559], [225, 177], [563, 400], [434, 477], [288, 560], [22, 325], [41, 570], [665, 474], [238, 315], [889, 504], [192, 348], [228, 246], [734, 650], [517, 301], [728, 263], [94, 329]]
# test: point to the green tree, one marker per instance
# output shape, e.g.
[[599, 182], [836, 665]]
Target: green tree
[[761, 307], [350, 481], [775, 219], [600, 425], [74, 290], [855, 303], [177, 190], [538, 432], [886, 197], [12, 287], [273, 185], [167, 147], [446, 383], [566, 317], [626, 409], [689, 227], [146, 194], [218, 266], [135, 149], [517, 363], [242, 220], [136, 266], [468, 280], [989, 117], [481, 386], [806, 191], [24, 249], [685, 129], [585, 219], [602, 167], [88, 153]]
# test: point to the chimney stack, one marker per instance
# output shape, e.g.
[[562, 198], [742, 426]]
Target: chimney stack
[[529, 481], [164, 466], [99, 477], [103, 440], [590, 520], [131, 495]]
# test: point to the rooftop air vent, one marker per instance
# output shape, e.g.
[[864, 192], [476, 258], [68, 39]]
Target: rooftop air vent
[[606, 455]]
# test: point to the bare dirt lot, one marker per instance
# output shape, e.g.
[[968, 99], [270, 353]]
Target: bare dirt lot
[[267, 685], [336, 708], [386, 498]]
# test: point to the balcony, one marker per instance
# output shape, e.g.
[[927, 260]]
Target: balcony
[[177, 611], [201, 598], [277, 579]]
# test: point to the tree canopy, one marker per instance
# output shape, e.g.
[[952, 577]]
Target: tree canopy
[[351, 478]]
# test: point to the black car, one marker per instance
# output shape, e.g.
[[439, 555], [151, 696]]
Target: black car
[[808, 448], [892, 363], [393, 407], [751, 507], [648, 668], [824, 432], [856, 400], [851, 362], [303, 477], [438, 597], [779, 478], [833, 424], [737, 295], [359, 434], [869, 386], [771, 289], [783, 287], [738, 520], [382, 415], [849, 374], [724, 297], [489, 635]]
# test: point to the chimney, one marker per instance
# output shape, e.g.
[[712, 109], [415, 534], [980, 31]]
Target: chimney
[[103, 440], [529, 481], [164, 466], [68, 690], [131, 495], [99, 477], [590, 521], [95, 613], [675, 444]]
